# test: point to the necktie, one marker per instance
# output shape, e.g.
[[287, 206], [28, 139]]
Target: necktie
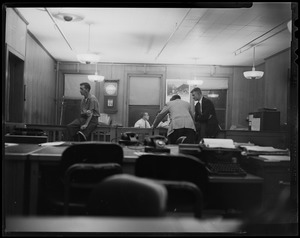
[[145, 124], [200, 106]]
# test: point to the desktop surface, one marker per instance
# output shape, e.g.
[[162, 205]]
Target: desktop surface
[[120, 224]]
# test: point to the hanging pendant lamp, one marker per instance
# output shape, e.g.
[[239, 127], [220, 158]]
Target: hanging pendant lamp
[[253, 74], [89, 57], [95, 77]]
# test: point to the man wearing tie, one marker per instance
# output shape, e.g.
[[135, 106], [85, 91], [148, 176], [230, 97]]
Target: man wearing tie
[[206, 121], [143, 122]]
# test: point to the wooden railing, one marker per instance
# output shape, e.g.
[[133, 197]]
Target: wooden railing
[[277, 139], [101, 133]]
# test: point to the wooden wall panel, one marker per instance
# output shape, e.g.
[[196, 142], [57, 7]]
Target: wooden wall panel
[[247, 96], [277, 83], [243, 95], [39, 78], [15, 31]]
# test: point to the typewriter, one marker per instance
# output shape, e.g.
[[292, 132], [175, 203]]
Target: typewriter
[[226, 167]]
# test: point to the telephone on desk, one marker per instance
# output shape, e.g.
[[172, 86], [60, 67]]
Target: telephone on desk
[[156, 144], [129, 138]]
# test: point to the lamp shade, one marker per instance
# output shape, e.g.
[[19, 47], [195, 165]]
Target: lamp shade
[[96, 78], [253, 74]]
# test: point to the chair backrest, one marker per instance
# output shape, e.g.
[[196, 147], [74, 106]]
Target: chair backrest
[[174, 168], [91, 152], [83, 177], [127, 195]]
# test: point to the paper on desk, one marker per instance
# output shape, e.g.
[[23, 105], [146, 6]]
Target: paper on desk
[[275, 158], [218, 143], [10, 144], [55, 143], [257, 148]]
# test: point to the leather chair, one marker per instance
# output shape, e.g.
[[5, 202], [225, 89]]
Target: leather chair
[[127, 195], [82, 166], [184, 176]]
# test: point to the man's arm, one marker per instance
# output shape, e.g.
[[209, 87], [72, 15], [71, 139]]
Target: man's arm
[[85, 125], [160, 116]]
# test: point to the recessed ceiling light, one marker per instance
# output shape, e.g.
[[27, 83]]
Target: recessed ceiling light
[[68, 17]]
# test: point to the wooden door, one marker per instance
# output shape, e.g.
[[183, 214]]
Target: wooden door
[[16, 89]]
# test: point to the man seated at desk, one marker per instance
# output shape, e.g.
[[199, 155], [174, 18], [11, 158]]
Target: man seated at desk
[[143, 121]]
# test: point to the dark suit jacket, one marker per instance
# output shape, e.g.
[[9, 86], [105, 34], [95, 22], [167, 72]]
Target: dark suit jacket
[[207, 120]]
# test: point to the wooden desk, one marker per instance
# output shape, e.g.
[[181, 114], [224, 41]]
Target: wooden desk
[[234, 192], [115, 225], [276, 175], [51, 155], [27, 139], [16, 174]]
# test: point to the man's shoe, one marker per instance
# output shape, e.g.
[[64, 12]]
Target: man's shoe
[[81, 136]]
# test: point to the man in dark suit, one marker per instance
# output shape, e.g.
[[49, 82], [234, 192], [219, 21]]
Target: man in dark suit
[[206, 122]]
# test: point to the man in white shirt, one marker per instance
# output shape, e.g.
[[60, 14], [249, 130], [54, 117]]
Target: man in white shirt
[[143, 122]]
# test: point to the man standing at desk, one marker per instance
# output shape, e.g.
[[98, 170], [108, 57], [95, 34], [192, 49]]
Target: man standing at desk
[[206, 121], [89, 113], [181, 120]]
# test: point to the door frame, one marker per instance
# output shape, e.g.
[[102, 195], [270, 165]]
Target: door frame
[[127, 93], [6, 82]]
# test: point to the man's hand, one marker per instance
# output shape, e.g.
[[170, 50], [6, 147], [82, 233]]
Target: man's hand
[[83, 127], [88, 113]]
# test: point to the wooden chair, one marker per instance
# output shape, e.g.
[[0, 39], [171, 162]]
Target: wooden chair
[[184, 176], [82, 166], [127, 195]]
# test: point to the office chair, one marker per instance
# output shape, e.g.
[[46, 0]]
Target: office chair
[[187, 173], [80, 179], [81, 167], [127, 195]]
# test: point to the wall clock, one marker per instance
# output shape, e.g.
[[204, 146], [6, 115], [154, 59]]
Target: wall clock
[[110, 96]]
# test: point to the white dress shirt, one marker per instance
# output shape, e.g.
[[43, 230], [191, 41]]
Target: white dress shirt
[[142, 123]]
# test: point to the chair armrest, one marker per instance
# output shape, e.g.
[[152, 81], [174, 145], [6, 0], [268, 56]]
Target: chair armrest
[[187, 186]]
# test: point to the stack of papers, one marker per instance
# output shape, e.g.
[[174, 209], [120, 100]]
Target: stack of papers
[[264, 150], [218, 143], [104, 119], [55, 143], [275, 158]]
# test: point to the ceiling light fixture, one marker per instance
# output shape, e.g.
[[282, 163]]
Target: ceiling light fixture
[[68, 17], [95, 77], [89, 57], [212, 95], [253, 74]]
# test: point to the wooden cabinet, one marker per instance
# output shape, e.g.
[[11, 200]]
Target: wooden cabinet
[[275, 175]]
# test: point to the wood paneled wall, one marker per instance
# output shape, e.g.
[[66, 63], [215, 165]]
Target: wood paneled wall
[[276, 83], [243, 95], [39, 78]]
